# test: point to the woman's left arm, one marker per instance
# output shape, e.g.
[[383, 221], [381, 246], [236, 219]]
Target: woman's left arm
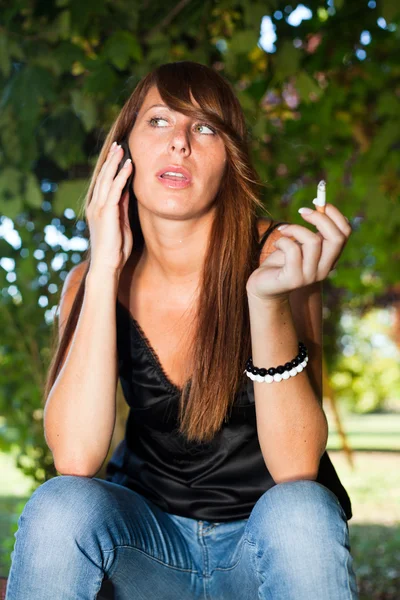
[[285, 305]]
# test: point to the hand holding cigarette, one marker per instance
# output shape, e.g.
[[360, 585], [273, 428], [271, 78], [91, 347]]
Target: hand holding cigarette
[[303, 257]]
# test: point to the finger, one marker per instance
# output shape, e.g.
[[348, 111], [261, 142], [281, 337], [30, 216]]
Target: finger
[[334, 239], [94, 202], [311, 248], [275, 258], [331, 223], [114, 194], [342, 222], [293, 267], [108, 176]]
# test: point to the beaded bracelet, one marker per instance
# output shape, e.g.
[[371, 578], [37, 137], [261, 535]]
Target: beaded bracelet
[[289, 369]]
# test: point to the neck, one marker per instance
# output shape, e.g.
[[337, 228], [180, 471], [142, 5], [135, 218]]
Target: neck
[[173, 254]]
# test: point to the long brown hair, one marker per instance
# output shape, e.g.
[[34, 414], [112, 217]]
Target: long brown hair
[[222, 343]]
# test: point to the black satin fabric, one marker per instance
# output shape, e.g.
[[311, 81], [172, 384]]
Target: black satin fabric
[[217, 481]]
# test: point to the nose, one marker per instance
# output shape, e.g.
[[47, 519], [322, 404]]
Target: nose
[[180, 142]]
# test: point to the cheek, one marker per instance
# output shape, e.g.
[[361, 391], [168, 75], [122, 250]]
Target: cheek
[[215, 170]]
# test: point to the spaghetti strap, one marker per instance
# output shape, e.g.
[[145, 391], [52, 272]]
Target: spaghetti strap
[[267, 233]]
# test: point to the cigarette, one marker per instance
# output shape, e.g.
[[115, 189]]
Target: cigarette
[[320, 200]]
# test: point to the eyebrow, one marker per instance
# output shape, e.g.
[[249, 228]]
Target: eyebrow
[[156, 106]]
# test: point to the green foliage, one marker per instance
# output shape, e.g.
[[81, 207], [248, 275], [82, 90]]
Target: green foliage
[[367, 370], [315, 109]]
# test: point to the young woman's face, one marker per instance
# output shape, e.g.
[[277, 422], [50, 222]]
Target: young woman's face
[[162, 139]]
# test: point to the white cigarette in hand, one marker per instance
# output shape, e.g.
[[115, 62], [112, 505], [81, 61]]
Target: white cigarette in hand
[[320, 200]]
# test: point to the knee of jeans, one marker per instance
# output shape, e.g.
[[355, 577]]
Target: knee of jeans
[[294, 507], [62, 505]]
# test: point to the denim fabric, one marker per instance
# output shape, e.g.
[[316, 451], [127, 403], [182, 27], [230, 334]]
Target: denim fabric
[[77, 533]]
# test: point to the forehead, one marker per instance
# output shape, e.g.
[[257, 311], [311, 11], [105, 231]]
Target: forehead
[[153, 97]]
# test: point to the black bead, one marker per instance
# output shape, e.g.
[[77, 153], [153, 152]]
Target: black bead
[[294, 362], [254, 370], [288, 366], [272, 371], [280, 369], [263, 372]]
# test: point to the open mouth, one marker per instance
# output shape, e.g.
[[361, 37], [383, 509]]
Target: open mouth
[[174, 176]]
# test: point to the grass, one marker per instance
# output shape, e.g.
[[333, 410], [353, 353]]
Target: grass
[[373, 484], [378, 431]]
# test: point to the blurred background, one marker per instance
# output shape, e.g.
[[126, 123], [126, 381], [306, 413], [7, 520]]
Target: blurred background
[[319, 83]]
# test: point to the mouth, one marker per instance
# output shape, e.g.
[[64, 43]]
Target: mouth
[[174, 173], [174, 177]]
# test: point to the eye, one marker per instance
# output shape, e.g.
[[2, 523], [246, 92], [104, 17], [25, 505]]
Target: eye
[[150, 121], [208, 127], [153, 122]]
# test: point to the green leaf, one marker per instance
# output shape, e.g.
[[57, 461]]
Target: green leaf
[[307, 87], [5, 63], [257, 89], [286, 61], [120, 48], [12, 207], [84, 14], [246, 101], [388, 104], [159, 46], [254, 12], [102, 80], [9, 181], [67, 53], [85, 108], [28, 88], [244, 41], [62, 136], [70, 194], [33, 193]]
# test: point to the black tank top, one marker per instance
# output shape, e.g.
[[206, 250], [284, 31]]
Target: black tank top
[[216, 481]]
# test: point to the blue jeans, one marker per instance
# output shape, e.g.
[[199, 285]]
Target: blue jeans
[[76, 531]]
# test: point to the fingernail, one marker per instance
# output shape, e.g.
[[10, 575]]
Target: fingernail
[[283, 226], [126, 163], [113, 146], [305, 211]]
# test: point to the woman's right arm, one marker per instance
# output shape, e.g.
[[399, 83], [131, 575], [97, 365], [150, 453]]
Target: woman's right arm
[[79, 415], [80, 410]]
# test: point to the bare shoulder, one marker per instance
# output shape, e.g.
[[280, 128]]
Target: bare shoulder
[[69, 291], [74, 277], [264, 223]]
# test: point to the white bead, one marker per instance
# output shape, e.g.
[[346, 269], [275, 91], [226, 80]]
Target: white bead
[[278, 377]]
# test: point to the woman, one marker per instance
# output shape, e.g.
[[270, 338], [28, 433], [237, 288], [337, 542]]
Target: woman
[[221, 487]]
